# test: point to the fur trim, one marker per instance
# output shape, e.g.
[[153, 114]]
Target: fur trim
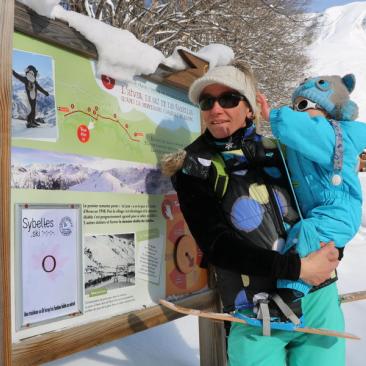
[[171, 163]]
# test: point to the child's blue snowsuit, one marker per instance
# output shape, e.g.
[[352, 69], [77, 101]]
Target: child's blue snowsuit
[[330, 212]]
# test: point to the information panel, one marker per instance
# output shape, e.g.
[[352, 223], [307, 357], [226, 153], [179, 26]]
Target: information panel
[[90, 140]]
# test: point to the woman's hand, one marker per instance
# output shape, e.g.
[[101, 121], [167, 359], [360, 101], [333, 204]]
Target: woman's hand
[[262, 102], [318, 266]]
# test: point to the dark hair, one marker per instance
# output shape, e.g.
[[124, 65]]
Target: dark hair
[[31, 68]]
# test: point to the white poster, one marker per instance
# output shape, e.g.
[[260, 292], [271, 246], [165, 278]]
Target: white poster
[[50, 263]]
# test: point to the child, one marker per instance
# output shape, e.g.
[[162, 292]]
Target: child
[[322, 149]]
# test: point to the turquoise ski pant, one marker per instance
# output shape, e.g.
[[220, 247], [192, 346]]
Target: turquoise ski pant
[[247, 346]]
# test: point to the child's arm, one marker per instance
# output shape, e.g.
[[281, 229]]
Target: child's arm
[[312, 137], [263, 104]]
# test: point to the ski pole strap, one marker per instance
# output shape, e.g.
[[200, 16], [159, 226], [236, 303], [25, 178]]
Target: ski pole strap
[[261, 301], [287, 312], [265, 316], [338, 153]]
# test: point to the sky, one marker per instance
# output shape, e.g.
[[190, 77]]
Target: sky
[[322, 5], [42, 63]]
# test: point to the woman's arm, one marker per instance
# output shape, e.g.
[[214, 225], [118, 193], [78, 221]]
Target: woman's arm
[[223, 247], [316, 266], [220, 243]]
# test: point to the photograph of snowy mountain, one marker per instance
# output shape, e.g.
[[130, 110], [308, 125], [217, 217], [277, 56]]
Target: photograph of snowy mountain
[[33, 107], [109, 261], [38, 169]]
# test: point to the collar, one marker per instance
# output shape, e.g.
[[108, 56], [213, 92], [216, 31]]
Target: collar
[[200, 153]]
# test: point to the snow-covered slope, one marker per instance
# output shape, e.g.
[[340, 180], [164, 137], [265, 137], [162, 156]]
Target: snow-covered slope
[[76, 177], [340, 47], [105, 255]]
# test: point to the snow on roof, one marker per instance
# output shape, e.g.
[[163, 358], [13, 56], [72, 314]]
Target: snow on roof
[[41, 7], [120, 54], [216, 54]]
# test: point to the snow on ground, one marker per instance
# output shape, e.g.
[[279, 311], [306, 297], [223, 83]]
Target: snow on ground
[[42, 132]]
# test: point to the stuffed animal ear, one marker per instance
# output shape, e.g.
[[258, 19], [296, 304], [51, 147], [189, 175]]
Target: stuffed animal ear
[[349, 81], [349, 111]]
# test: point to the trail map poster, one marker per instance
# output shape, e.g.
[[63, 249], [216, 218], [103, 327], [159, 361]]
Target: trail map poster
[[99, 147]]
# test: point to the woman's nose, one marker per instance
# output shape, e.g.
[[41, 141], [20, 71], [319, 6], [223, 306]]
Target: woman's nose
[[216, 107]]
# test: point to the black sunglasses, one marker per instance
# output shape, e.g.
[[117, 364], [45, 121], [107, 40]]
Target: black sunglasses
[[226, 100]]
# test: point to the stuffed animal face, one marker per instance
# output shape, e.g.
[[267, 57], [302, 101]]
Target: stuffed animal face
[[331, 93]]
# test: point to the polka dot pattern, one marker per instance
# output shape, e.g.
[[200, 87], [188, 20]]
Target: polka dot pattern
[[246, 214], [259, 193], [282, 202]]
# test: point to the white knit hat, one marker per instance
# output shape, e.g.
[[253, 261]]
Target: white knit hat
[[229, 76]]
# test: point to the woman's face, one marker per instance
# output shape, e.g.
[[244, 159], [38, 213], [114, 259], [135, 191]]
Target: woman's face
[[223, 122]]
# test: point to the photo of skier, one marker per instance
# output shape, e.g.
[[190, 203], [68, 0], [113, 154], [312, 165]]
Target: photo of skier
[[31, 87], [33, 112]]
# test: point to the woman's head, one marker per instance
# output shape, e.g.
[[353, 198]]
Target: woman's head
[[227, 98]]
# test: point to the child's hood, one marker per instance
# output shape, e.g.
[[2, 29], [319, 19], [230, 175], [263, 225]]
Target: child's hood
[[332, 94]]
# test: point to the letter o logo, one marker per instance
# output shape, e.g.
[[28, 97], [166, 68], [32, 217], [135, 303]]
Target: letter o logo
[[49, 263]]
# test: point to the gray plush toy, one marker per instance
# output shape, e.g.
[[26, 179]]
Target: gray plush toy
[[331, 93]]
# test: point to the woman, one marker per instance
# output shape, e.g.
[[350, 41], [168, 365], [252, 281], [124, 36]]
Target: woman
[[239, 216]]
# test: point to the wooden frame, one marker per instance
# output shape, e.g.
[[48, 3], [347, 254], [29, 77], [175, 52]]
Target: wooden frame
[[6, 41], [50, 346]]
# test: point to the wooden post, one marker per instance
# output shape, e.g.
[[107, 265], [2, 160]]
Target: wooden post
[[353, 296], [212, 334], [212, 338], [6, 48]]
